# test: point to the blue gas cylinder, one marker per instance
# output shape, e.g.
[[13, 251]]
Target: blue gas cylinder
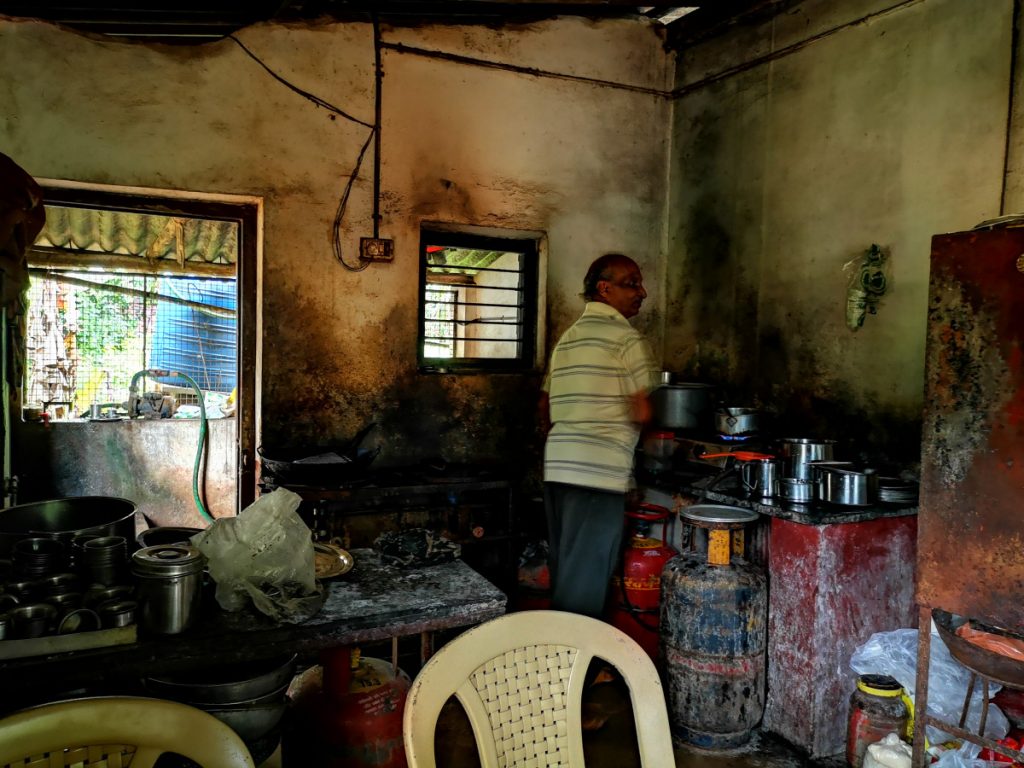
[[714, 610]]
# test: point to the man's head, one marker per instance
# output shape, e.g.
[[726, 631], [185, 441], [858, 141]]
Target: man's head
[[615, 280]]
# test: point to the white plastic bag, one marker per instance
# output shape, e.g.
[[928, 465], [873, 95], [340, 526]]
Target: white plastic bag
[[890, 752], [895, 654], [264, 555]]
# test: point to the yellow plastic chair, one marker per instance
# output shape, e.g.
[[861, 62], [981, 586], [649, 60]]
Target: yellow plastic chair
[[520, 679], [110, 732]]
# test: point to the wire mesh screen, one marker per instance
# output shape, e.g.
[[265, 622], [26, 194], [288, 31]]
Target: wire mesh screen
[[90, 332]]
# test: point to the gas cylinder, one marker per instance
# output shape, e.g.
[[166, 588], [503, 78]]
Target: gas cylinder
[[636, 592], [348, 713], [714, 609]]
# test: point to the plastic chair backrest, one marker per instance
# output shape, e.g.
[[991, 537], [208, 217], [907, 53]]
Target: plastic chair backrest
[[520, 679], [108, 731]]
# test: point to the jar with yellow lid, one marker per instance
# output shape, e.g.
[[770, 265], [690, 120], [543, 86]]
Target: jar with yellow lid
[[877, 708]]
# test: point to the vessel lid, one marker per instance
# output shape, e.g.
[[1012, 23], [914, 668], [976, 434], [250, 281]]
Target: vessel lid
[[718, 513], [880, 685], [168, 560]]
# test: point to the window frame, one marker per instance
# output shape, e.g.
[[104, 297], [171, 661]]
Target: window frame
[[247, 211], [529, 247]]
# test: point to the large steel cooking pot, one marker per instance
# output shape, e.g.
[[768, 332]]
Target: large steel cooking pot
[[799, 452], [64, 519], [682, 406]]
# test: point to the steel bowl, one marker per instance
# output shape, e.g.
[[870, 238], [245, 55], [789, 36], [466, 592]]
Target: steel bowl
[[995, 666], [254, 719], [64, 519], [227, 683]]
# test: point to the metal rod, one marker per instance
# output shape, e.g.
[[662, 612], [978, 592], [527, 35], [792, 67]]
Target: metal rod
[[209, 309], [967, 700], [924, 622], [469, 338], [448, 269], [480, 287]]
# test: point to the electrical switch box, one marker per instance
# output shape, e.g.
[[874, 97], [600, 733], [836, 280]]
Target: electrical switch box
[[376, 249]]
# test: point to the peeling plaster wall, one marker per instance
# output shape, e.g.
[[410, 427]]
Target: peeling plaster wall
[[583, 163], [885, 132]]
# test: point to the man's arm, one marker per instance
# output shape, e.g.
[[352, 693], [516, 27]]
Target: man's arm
[[544, 413], [640, 407]]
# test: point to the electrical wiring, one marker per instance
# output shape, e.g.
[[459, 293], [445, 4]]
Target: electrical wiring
[[305, 94], [374, 132], [342, 203]]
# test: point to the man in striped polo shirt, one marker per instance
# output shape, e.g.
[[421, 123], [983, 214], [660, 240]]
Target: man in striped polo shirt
[[595, 397]]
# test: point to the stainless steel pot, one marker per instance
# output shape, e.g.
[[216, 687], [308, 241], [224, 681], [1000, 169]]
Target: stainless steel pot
[[737, 421], [682, 406], [796, 490], [800, 452], [843, 485]]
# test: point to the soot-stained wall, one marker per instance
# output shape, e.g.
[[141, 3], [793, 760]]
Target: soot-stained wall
[[582, 162], [797, 145]]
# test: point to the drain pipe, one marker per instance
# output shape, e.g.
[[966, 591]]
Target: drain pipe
[[133, 403]]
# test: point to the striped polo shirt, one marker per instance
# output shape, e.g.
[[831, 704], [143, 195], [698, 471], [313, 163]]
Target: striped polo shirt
[[596, 368]]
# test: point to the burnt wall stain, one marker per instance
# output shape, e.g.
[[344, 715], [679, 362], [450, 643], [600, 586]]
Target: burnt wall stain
[[458, 418]]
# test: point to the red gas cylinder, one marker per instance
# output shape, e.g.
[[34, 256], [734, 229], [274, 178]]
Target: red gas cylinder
[[348, 713], [636, 592]]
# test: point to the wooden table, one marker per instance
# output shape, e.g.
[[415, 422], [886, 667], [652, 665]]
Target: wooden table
[[372, 602]]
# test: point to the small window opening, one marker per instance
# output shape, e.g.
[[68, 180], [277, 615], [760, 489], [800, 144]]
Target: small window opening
[[478, 302]]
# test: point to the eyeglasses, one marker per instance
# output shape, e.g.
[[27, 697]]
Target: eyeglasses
[[630, 285]]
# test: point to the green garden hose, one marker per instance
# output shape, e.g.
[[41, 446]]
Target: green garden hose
[[163, 374]]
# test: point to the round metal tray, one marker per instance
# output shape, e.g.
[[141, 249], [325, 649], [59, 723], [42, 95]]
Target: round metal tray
[[718, 513]]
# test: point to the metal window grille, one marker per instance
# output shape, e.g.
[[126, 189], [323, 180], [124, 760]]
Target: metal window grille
[[89, 332], [478, 303]]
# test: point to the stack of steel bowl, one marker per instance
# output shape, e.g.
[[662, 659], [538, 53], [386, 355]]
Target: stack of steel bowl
[[106, 559], [36, 556]]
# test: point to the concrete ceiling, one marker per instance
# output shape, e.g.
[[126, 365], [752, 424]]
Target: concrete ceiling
[[193, 21]]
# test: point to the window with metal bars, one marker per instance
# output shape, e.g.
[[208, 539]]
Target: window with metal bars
[[478, 302]]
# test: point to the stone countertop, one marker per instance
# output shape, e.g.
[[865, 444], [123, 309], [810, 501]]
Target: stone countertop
[[373, 602], [816, 513]]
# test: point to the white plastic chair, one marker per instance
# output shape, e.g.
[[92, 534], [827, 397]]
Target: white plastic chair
[[117, 731], [520, 679]]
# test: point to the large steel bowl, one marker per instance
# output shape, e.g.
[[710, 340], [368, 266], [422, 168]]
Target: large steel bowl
[[227, 683], [65, 519]]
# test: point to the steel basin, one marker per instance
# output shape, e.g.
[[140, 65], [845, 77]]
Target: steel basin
[[64, 519], [226, 684]]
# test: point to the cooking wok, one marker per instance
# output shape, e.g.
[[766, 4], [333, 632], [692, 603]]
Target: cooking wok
[[287, 466]]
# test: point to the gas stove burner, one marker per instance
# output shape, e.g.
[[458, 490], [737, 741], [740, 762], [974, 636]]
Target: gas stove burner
[[736, 438]]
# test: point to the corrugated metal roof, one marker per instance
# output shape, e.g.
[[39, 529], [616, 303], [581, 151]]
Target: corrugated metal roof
[[150, 236]]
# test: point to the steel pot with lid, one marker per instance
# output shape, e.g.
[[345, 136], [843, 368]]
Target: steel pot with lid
[[686, 405], [170, 578]]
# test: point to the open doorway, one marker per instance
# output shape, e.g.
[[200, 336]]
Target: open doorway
[[126, 281]]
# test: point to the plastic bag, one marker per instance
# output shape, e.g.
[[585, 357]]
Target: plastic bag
[[890, 752], [895, 654], [265, 555]]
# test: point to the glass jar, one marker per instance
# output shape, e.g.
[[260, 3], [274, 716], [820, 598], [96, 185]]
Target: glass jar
[[877, 709]]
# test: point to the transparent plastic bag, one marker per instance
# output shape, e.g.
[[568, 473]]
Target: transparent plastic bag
[[265, 555], [895, 654]]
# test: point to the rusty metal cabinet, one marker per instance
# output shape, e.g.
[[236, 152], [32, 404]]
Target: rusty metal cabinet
[[970, 553]]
